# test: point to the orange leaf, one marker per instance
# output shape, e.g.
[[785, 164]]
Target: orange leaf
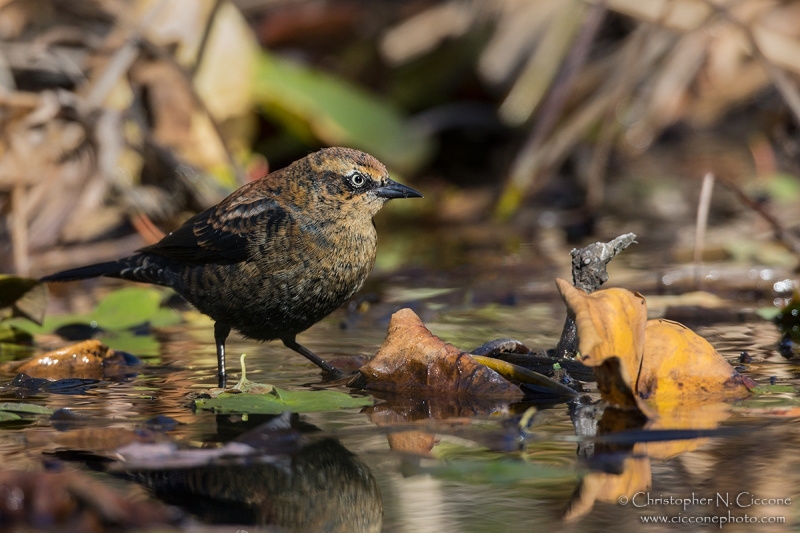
[[412, 359], [87, 359], [610, 325], [679, 362]]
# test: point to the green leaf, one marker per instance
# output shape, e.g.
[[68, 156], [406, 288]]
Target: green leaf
[[30, 408], [498, 472], [280, 400], [7, 417], [118, 311], [165, 317], [770, 389], [22, 297], [768, 313], [338, 112], [783, 188], [13, 334], [127, 307], [140, 345]]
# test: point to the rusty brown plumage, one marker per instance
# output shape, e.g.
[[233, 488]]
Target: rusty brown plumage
[[277, 255]]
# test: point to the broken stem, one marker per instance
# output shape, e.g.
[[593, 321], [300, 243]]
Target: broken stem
[[702, 224]]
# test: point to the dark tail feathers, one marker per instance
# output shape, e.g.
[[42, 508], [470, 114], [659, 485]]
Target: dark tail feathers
[[111, 269]]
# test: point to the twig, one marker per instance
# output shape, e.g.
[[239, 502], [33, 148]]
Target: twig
[[702, 224], [19, 230], [145, 227], [588, 274], [204, 39]]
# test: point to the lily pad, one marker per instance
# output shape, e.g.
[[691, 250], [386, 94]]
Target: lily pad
[[119, 311], [29, 408], [127, 307], [280, 400]]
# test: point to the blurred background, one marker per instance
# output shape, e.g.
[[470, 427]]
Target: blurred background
[[527, 124]]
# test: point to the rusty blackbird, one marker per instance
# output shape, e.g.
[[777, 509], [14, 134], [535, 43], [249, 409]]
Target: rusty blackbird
[[277, 255]]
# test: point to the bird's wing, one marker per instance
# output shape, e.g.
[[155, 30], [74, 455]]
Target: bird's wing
[[222, 233]]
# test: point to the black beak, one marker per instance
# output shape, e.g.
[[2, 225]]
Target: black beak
[[392, 189]]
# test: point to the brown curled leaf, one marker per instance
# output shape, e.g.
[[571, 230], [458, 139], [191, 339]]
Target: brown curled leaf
[[412, 359]]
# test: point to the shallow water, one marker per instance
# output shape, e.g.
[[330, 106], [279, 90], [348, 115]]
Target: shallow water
[[456, 466]]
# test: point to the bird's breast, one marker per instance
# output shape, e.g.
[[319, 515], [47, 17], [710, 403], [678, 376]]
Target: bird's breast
[[316, 267]]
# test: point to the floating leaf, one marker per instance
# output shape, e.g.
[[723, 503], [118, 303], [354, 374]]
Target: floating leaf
[[679, 362], [116, 313], [5, 416], [611, 325], [338, 112], [636, 359], [127, 307], [30, 408], [88, 359], [22, 297], [280, 400], [414, 360]]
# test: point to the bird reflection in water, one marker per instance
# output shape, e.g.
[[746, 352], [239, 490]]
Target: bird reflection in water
[[296, 484]]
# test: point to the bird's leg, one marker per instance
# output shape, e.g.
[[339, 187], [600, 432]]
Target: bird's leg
[[290, 342], [221, 332]]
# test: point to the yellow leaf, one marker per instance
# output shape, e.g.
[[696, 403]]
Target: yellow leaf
[[678, 362]]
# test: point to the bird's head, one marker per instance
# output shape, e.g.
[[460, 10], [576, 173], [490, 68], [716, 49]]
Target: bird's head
[[358, 182]]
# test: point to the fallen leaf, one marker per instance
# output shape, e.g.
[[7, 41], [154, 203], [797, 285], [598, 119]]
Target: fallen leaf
[[28, 408], [88, 359], [636, 359], [611, 324], [413, 360], [279, 400], [679, 362]]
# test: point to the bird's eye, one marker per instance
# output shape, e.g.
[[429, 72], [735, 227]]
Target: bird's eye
[[357, 179]]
